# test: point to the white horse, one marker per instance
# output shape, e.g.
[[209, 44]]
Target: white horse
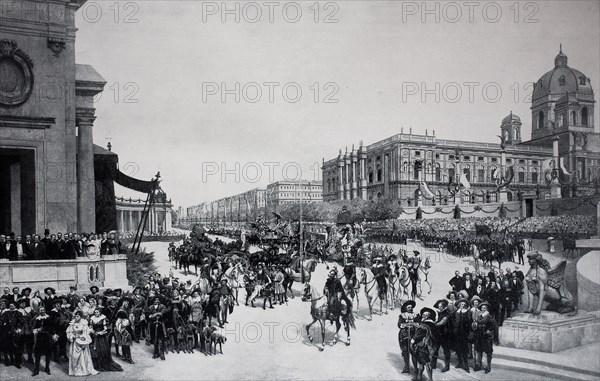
[[424, 275], [372, 292], [233, 275]]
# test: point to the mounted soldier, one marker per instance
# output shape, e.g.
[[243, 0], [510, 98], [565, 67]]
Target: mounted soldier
[[334, 292], [414, 264]]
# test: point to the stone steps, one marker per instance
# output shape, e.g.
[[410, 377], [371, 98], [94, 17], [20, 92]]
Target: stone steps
[[542, 368]]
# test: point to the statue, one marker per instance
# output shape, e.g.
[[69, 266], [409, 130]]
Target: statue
[[545, 284]]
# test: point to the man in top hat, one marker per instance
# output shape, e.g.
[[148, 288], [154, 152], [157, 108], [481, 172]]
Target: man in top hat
[[444, 334], [462, 327], [485, 327], [407, 323], [424, 341], [158, 332]]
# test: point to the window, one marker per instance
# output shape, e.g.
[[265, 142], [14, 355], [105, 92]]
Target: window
[[379, 174], [561, 80], [521, 161], [573, 118], [561, 120], [438, 173], [541, 120], [508, 161], [534, 177], [534, 162], [494, 160], [521, 175], [481, 175], [467, 172], [437, 155], [582, 80], [584, 116], [480, 158], [467, 157], [417, 153], [370, 176], [451, 174]]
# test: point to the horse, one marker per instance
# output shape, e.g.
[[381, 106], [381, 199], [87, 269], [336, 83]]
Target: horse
[[319, 311], [351, 290], [402, 282], [372, 292], [232, 275], [307, 267]]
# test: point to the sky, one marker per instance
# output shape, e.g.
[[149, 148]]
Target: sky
[[223, 97]]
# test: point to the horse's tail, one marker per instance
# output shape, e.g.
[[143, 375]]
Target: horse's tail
[[350, 319]]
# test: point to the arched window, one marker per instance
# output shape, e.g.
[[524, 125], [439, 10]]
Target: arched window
[[438, 172], [467, 172], [480, 174], [521, 175], [561, 120], [541, 119], [379, 176], [534, 176], [416, 168], [451, 173], [584, 116], [573, 118]]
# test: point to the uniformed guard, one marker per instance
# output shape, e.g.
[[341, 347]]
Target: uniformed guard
[[485, 326], [424, 341], [444, 336], [12, 323], [158, 332]]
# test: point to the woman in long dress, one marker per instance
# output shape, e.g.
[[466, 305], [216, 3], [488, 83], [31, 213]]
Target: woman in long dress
[[80, 358], [101, 345]]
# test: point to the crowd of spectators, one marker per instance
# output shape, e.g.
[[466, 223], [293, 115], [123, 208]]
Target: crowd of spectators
[[59, 246]]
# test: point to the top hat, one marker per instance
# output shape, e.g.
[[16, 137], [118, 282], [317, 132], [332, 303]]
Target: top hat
[[408, 303], [46, 231], [73, 287]]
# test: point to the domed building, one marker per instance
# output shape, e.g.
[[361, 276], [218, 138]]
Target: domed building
[[563, 107], [404, 166]]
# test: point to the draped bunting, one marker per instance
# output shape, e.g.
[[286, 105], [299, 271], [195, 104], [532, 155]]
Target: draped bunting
[[133, 183]]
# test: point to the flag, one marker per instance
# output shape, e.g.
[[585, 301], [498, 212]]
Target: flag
[[463, 180], [563, 168], [426, 189]]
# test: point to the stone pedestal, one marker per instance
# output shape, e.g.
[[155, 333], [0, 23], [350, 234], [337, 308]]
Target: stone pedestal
[[550, 331], [555, 190]]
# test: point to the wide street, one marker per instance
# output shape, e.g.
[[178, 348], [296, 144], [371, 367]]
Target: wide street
[[272, 343]]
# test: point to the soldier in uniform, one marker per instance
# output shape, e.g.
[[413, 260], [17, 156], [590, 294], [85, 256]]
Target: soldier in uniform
[[12, 323], [139, 318], [60, 321], [485, 326], [423, 343], [407, 323], [444, 337], [27, 336], [158, 332]]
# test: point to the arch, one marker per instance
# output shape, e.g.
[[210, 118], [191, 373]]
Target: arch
[[584, 116], [521, 176], [540, 120], [379, 174], [534, 175], [561, 120], [451, 171], [573, 120], [509, 196], [438, 172]]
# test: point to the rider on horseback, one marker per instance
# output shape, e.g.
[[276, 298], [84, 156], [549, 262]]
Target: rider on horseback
[[413, 271], [334, 292], [381, 274], [350, 275]]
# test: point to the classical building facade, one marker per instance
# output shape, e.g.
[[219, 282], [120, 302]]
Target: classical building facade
[[52, 175], [293, 191], [240, 207], [130, 213], [404, 165]]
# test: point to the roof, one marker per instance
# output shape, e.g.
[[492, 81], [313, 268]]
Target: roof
[[562, 79], [102, 151], [87, 73]]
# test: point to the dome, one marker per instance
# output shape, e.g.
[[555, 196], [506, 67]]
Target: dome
[[511, 118], [562, 79]]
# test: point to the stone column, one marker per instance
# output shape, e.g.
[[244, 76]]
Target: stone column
[[555, 189], [122, 221], [354, 183], [15, 198], [363, 171], [341, 178], [129, 220], [347, 182], [86, 187]]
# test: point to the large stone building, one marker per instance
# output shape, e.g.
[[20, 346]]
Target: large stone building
[[246, 206], [293, 191], [404, 165], [51, 173], [131, 211]]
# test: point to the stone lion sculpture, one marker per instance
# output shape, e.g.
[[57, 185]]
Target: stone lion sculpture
[[545, 284]]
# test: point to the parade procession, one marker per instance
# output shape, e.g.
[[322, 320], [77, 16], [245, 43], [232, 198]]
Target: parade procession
[[356, 190]]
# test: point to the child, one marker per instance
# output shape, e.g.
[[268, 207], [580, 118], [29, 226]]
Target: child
[[123, 335]]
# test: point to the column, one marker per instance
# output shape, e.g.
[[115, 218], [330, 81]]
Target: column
[[129, 220], [341, 178], [354, 186], [15, 198], [121, 220], [86, 191], [347, 182], [555, 189], [363, 171]]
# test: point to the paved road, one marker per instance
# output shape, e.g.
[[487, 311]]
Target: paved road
[[272, 344]]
